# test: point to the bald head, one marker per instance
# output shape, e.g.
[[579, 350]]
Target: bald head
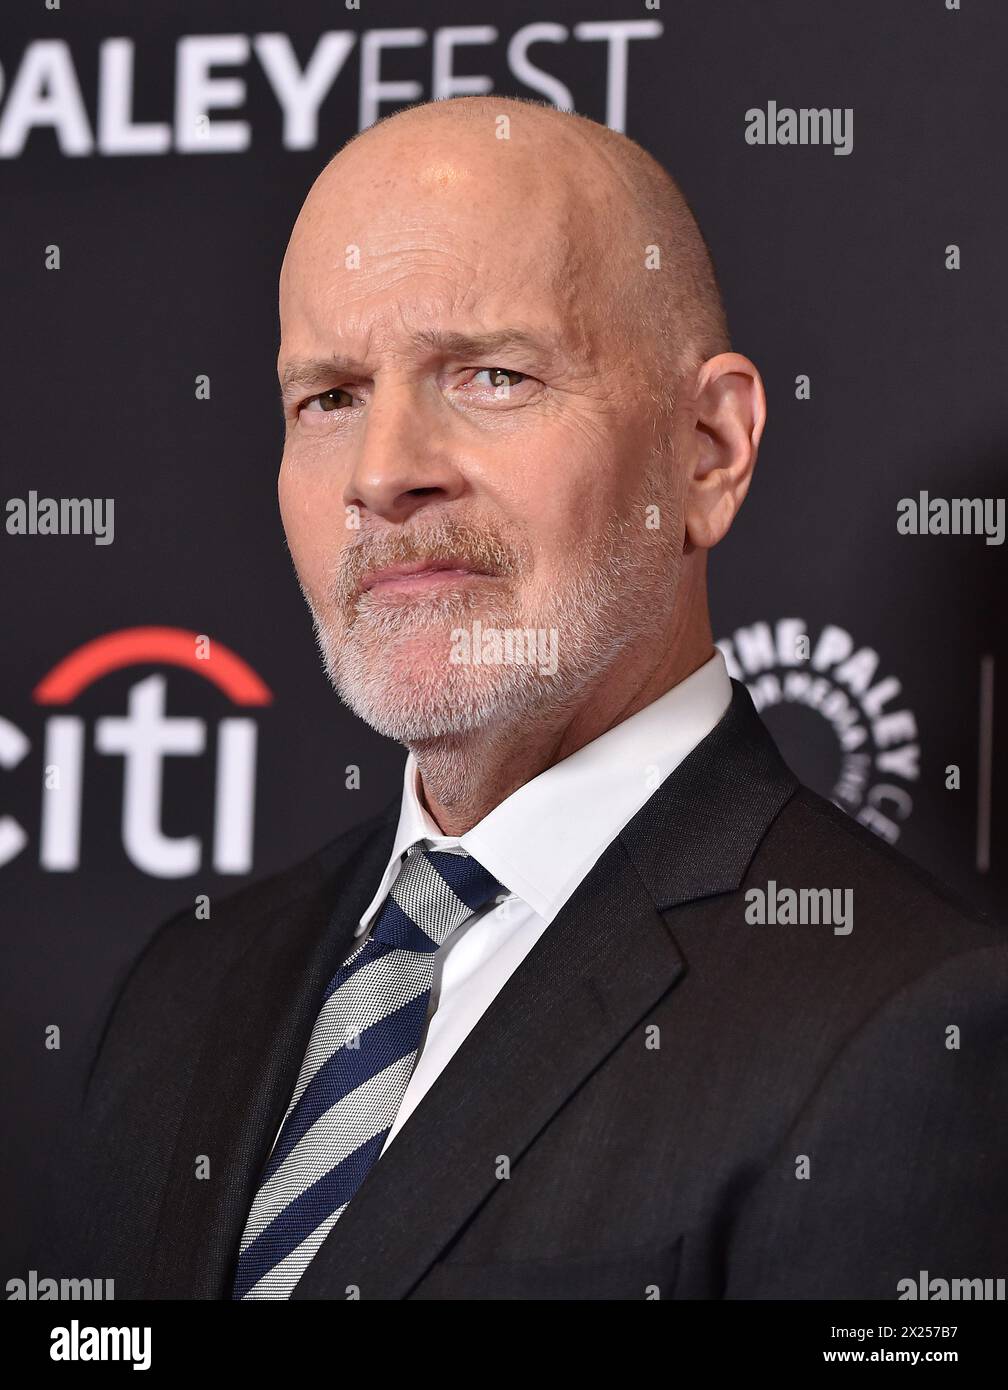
[[602, 217]]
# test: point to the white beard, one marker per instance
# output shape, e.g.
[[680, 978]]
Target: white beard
[[391, 664]]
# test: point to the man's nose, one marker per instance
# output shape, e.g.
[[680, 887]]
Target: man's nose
[[404, 460]]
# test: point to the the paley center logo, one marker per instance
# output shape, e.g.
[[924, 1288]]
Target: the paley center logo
[[871, 749], [143, 738]]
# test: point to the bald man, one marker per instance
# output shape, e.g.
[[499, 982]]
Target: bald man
[[605, 1005]]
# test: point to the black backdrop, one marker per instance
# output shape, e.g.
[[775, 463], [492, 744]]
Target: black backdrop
[[834, 267]]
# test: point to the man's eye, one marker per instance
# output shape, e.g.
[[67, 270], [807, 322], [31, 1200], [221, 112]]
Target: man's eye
[[326, 402], [499, 376]]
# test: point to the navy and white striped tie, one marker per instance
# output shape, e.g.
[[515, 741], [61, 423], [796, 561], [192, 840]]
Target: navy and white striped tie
[[356, 1070]]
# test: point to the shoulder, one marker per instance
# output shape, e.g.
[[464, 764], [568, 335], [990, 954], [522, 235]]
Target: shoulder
[[900, 923], [813, 837]]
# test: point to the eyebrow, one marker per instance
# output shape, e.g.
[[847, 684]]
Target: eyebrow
[[302, 375]]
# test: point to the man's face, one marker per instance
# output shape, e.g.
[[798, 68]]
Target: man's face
[[490, 416]]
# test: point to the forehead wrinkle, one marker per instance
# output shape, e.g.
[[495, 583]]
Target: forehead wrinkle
[[442, 298], [406, 329]]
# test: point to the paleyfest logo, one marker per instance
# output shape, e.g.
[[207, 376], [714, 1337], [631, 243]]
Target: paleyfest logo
[[143, 738], [783, 664]]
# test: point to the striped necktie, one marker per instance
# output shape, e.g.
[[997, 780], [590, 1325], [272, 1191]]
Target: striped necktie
[[356, 1070]]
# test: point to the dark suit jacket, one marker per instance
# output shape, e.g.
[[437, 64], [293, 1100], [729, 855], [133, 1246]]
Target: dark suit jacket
[[635, 1170]]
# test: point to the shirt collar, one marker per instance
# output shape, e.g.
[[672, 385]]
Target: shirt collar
[[542, 840]]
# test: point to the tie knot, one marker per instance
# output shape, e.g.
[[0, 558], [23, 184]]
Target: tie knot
[[435, 892]]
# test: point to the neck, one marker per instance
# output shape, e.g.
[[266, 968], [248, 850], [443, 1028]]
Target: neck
[[464, 776]]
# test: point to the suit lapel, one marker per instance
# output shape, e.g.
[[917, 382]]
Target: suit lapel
[[698, 833], [256, 1040], [603, 963]]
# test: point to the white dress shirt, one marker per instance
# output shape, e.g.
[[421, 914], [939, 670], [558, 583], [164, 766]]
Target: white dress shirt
[[540, 844]]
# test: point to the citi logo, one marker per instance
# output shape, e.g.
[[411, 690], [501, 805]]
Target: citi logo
[[143, 738]]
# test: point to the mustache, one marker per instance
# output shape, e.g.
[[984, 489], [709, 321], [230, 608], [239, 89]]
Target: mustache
[[478, 547]]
